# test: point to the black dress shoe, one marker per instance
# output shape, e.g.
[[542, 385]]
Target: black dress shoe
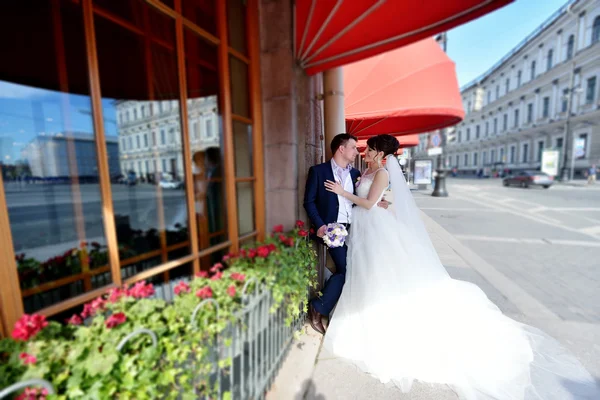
[[315, 320]]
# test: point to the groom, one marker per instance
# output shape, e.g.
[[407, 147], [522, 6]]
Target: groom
[[325, 207]]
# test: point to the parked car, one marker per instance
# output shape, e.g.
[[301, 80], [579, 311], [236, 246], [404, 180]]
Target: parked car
[[526, 179], [165, 184]]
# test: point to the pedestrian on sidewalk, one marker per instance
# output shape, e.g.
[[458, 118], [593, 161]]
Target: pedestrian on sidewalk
[[592, 174]]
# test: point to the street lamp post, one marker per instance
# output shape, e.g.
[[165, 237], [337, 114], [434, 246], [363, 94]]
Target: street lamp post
[[569, 147], [439, 189]]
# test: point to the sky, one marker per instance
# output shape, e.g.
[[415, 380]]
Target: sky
[[478, 45]]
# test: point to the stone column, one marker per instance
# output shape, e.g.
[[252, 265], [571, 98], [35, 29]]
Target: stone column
[[291, 116], [554, 100], [334, 120], [559, 46], [536, 106]]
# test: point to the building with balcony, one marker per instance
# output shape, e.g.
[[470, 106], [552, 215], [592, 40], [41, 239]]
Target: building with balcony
[[544, 94]]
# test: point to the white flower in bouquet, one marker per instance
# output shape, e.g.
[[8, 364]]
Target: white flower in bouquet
[[335, 235]]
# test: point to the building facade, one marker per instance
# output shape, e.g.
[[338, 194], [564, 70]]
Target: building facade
[[521, 105]]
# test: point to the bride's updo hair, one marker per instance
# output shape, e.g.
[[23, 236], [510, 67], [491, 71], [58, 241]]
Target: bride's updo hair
[[386, 143]]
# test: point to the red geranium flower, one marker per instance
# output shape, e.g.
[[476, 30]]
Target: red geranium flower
[[252, 253], [271, 247], [75, 320], [290, 242], [27, 358], [204, 293], [28, 326], [115, 320], [282, 238], [216, 268], [217, 276], [263, 251], [231, 291], [278, 228], [33, 394], [302, 233], [300, 224], [236, 276], [182, 287], [202, 274], [141, 290], [116, 294]]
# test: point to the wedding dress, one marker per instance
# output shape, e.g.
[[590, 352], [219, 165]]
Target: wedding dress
[[402, 318]]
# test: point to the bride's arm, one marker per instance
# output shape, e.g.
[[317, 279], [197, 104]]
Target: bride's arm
[[379, 184]]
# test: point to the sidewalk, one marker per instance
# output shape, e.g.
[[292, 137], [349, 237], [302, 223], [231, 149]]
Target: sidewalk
[[310, 373]]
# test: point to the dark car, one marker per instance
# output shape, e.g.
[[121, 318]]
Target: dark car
[[526, 179]]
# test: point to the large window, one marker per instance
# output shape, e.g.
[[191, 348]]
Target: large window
[[596, 30], [532, 77], [113, 172], [570, 47], [546, 107], [590, 93], [549, 59]]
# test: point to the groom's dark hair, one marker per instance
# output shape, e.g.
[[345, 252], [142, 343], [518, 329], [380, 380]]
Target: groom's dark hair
[[341, 140]]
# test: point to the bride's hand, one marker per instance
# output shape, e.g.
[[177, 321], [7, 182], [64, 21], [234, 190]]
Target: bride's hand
[[334, 187]]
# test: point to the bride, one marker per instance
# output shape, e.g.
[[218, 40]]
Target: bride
[[402, 318]]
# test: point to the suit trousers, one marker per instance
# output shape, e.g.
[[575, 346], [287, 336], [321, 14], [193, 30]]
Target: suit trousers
[[332, 290]]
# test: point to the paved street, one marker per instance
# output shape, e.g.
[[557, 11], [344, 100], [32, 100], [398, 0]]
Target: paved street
[[542, 248]]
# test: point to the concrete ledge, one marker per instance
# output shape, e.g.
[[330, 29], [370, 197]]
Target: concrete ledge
[[294, 378]]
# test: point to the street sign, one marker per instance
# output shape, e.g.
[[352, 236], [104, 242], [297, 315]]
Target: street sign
[[436, 140], [550, 159], [579, 148], [434, 151], [423, 172]]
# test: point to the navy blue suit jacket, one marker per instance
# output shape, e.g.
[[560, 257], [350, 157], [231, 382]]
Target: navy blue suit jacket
[[322, 206]]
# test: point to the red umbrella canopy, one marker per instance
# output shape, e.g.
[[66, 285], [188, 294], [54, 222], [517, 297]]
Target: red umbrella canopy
[[405, 141], [331, 33], [406, 91]]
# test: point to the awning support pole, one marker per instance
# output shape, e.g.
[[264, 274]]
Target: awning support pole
[[334, 121]]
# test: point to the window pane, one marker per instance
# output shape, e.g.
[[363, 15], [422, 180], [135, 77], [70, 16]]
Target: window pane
[[239, 87], [245, 207], [150, 208], [202, 13], [242, 143], [206, 147], [236, 20], [48, 154]]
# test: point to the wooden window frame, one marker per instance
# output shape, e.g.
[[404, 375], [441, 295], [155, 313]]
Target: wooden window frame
[[11, 295]]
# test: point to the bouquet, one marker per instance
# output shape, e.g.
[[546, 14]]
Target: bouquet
[[335, 235]]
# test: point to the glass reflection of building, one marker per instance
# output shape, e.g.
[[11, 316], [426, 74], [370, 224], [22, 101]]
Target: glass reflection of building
[[150, 137], [48, 156]]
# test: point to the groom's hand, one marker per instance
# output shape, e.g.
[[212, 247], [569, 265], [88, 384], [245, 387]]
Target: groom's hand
[[321, 231], [384, 204]]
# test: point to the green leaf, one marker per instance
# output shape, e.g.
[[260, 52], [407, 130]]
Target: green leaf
[[101, 364]]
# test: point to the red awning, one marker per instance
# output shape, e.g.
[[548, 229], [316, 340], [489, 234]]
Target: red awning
[[405, 141], [337, 33], [409, 90]]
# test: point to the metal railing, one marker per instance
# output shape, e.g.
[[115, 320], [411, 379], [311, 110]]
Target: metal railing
[[256, 344], [521, 44]]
